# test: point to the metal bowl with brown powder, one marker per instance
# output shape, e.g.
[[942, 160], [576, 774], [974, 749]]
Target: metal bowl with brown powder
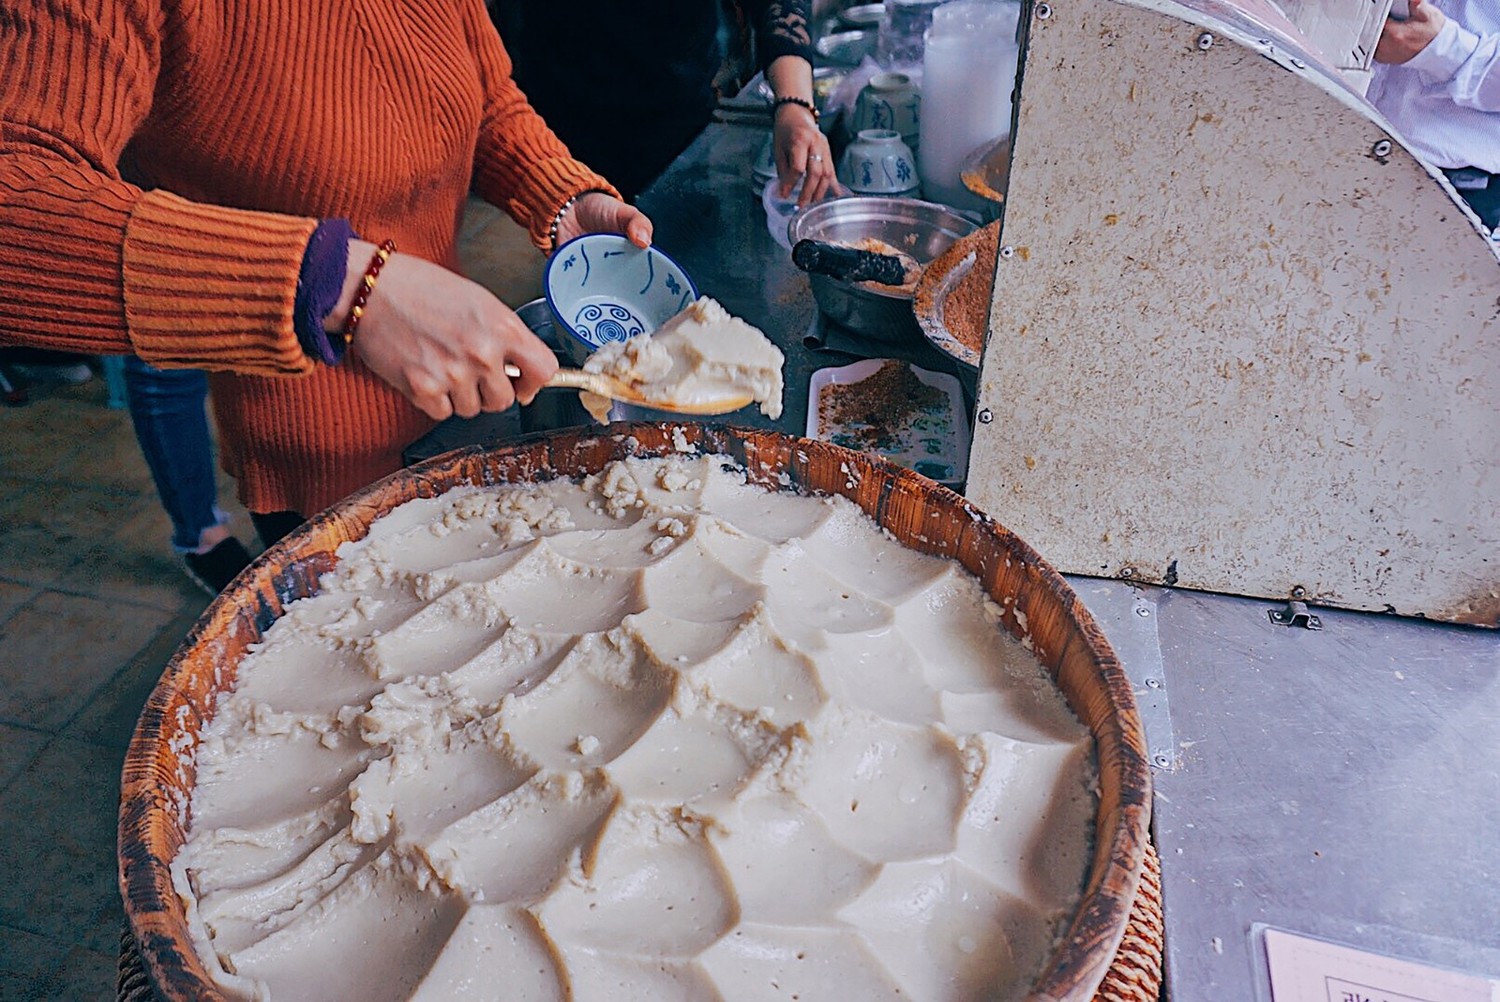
[[952, 303]]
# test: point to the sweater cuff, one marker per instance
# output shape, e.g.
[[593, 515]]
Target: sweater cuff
[[1442, 57], [775, 46], [550, 183], [211, 287], [319, 285]]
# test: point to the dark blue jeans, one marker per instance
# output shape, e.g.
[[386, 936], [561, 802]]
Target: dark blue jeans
[[167, 407]]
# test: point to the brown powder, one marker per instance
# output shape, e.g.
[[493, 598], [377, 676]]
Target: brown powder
[[975, 182], [870, 414], [988, 174], [874, 245], [899, 291], [966, 308]]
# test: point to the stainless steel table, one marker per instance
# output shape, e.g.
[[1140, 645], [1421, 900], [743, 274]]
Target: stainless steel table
[[1342, 782]]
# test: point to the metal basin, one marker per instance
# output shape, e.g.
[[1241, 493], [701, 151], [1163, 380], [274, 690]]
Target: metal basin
[[922, 229], [846, 48], [865, 16], [552, 408]]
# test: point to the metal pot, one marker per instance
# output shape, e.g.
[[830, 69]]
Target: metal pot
[[846, 48], [552, 408], [922, 229]]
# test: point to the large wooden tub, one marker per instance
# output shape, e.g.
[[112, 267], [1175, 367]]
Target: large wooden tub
[[159, 768]]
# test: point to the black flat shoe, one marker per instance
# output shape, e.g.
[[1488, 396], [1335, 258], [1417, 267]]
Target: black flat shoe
[[212, 571]]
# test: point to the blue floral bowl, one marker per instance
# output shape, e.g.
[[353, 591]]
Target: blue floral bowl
[[603, 288]]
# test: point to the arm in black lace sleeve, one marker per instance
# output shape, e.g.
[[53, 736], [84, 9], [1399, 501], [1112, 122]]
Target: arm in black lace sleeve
[[783, 28]]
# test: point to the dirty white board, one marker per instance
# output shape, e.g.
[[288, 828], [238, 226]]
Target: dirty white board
[[1243, 342]]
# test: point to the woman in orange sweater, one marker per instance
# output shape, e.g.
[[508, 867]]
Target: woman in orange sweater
[[270, 149]]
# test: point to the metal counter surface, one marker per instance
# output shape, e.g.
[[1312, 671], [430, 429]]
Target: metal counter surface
[[1343, 783]]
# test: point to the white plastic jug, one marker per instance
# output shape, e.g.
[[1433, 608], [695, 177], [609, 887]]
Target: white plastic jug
[[968, 77]]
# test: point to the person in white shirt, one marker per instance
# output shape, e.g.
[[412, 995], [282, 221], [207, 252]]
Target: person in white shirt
[[1437, 78]]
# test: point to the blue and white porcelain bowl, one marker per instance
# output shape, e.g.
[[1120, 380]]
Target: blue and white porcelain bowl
[[602, 288], [879, 163]]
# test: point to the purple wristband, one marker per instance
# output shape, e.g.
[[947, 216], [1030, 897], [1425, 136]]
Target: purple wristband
[[319, 284]]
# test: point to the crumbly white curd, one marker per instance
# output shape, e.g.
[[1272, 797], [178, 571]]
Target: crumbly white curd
[[702, 354], [659, 734]]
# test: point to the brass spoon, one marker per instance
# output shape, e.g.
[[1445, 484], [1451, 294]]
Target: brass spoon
[[618, 389]]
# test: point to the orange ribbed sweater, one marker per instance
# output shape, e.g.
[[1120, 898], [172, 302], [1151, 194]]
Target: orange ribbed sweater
[[243, 122]]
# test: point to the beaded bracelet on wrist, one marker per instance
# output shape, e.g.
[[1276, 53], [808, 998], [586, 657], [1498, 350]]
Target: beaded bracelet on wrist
[[562, 213], [557, 220], [799, 102], [366, 286]]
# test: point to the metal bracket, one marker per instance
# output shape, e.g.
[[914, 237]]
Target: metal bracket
[[1127, 614], [1295, 614]]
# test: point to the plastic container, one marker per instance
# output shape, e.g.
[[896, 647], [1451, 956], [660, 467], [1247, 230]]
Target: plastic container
[[932, 440], [900, 39], [779, 211], [968, 77]]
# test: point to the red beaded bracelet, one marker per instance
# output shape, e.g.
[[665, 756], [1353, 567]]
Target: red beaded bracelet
[[366, 286]]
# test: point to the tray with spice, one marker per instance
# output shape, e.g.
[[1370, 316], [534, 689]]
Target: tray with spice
[[892, 408]]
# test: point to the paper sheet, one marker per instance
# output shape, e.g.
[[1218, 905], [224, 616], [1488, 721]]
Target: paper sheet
[[1312, 970]]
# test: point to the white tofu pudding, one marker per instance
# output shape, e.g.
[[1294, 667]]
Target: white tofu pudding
[[702, 355], [658, 734]]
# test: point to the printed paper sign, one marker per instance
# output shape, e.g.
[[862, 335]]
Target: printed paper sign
[[1311, 970]]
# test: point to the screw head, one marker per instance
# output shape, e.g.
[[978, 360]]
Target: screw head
[[1298, 63], [1382, 148], [1161, 761], [1299, 592], [1205, 41], [1043, 11], [1153, 683], [1007, 251], [986, 415], [1127, 572]]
